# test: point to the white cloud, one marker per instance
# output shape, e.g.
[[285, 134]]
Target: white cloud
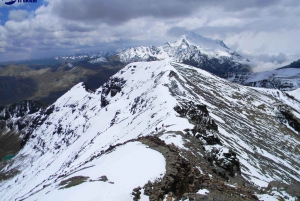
[[251, 28], [191, 23], [267, 66], [226, 22], [18, 15]]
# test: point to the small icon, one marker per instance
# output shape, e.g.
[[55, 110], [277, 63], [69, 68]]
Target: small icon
[[10, 2]]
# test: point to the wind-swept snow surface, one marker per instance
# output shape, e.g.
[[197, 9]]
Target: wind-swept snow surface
[[88, 134]]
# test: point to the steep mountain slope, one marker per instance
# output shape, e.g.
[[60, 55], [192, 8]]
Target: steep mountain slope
[[295, 64], [286, 78], [193, 49], [14, 120], [166, 127]]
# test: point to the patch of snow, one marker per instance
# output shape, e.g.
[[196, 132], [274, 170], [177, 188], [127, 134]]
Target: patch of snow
[[267, 197], [128, 167], [217, 118], [173, 139], [98, 60], [203, 191], [232, 185]]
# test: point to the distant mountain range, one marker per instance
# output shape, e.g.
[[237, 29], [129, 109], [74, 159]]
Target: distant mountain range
[[286, 78], [48, 78], [193, 49], [208, 54]]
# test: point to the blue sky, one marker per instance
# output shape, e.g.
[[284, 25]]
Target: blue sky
[[266, 32], [5, 9]]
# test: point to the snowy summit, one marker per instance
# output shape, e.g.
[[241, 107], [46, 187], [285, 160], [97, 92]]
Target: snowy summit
[[205, 53]]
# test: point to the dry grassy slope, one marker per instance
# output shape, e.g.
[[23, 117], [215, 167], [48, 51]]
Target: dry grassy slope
[[21, 71], [59, 80], [21, 82]]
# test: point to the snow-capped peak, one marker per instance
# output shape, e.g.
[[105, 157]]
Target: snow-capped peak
[[203, 42], [193, 49]]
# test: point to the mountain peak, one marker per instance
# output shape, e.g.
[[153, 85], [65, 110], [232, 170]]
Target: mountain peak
[[192, 49], [204, 42]]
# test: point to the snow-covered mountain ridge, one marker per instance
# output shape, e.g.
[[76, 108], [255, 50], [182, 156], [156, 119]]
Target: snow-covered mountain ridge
[[285, 79], [192, 49], [210, 134], [205, 53]]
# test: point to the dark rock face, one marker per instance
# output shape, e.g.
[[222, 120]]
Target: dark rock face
[[291, 120], [114, 119], [14, 121], [113, 86], [136, 193], [205, 126], [272, 84], [295, 64], [4, 115], [198, 114], [37, 121], [224, 163], [87, 88], [181, 176], [183, 179], [20, 109], [73, 181]]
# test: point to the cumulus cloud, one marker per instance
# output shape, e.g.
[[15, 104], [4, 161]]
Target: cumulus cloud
[[278, 59], [264, 31], [265, 62], [18, 15], [118, 11]]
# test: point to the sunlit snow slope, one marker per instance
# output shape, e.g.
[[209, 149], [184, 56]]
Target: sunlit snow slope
[[295, 93], [72, 139]]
